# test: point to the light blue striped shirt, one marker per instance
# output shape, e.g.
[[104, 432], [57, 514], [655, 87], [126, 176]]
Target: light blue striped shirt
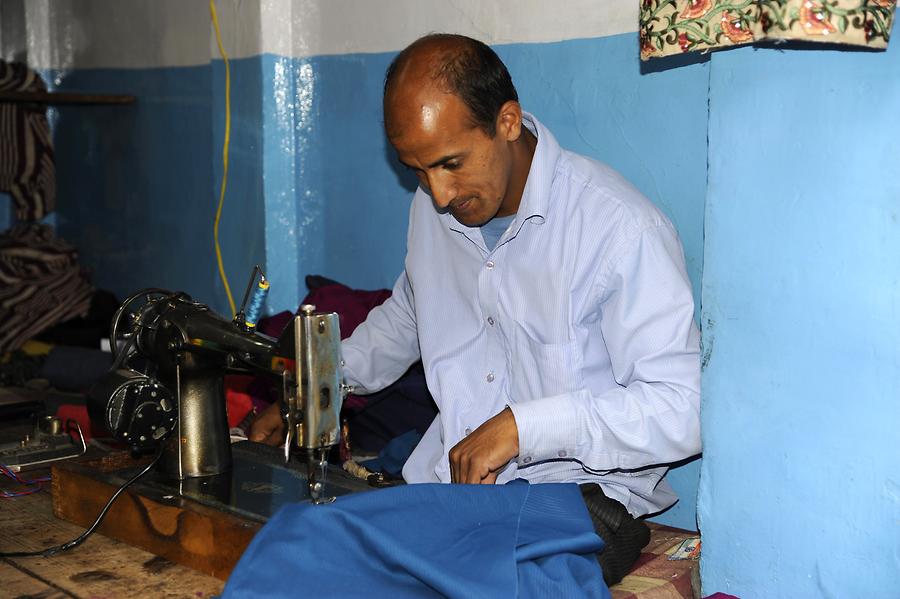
[[580, 320]]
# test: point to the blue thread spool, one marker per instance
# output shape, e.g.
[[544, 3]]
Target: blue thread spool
[[256, 303]]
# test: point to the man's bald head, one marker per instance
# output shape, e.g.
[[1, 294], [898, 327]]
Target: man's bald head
[[457, 65]]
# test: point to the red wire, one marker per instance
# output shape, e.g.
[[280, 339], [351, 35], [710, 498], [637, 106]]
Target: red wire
[[36, 482]]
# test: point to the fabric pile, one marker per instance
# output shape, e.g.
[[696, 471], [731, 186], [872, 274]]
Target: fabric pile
[[428, 540], [403, 408], [41, 282]]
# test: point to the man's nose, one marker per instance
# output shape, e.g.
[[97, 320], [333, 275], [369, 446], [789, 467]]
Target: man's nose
[[443, 190]]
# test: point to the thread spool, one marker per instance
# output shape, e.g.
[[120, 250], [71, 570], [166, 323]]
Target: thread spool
[[256, 303]]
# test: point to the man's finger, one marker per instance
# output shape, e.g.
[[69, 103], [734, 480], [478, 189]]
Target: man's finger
[[268, 427], [272, 438], [476, 471], [464, 470], [258, 434]]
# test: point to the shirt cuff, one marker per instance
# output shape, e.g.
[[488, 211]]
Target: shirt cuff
[[547, 429]]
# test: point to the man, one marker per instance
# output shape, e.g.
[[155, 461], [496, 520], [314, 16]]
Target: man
[[546, 297]]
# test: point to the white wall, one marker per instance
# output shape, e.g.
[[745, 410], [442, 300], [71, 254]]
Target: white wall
[[66, 34]]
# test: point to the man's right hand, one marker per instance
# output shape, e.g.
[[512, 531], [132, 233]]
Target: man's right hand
[[268, 427]]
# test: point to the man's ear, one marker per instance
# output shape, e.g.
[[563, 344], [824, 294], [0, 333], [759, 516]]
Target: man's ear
[[509, 121]]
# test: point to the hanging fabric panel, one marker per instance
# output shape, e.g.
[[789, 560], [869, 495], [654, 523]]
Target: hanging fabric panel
[[27, 170], [676, 26]]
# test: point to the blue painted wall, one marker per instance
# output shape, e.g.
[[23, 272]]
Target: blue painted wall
[[138, 185], [242, 235], [800, 492], [134, 182]]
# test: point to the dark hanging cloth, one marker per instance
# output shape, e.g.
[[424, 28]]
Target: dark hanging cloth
[[27, 170], [41, 283]]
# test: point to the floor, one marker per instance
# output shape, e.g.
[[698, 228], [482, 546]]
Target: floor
[[101, 568]]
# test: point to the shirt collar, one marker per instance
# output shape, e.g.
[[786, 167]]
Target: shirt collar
[[536, 196]]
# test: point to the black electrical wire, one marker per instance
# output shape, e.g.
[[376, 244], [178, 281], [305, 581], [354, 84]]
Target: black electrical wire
[[50, 552]]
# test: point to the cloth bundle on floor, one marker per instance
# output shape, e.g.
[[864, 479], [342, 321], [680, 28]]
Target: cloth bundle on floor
[[428, 540], [41, 283]]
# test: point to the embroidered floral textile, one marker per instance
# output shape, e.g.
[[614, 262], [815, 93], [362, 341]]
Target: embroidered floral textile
[[675, 26]]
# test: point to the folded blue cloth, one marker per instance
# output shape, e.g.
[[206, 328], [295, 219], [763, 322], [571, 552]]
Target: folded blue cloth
[[392, 457], [428, 540]]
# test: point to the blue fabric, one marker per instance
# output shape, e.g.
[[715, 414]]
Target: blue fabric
[[394, 455], [428, 540]]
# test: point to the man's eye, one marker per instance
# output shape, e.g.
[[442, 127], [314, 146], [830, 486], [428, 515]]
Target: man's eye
[[452, 166]]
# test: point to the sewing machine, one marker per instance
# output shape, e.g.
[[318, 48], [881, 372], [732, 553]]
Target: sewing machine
[[166, 384], [207, 497]]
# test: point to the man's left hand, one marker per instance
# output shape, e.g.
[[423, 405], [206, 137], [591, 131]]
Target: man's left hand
[[480, 457]]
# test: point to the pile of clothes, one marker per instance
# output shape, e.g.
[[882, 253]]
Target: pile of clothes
[[41, 282]]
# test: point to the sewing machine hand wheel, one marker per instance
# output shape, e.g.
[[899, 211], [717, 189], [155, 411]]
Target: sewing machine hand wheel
[[123, 330]]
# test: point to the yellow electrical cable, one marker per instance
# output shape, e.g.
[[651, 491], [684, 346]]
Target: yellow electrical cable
[[215, 20]]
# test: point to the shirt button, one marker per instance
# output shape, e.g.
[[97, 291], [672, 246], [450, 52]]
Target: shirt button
[[490, 264], [491, 320], [468, 431], [527, 460], [490, 377], [562, 453]]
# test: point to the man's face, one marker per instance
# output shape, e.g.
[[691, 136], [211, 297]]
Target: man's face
[[463, 169]]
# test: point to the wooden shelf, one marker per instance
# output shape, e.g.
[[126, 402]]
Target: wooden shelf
[[65, 98]]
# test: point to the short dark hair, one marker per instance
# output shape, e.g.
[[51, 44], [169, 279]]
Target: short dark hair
[[469, 70]]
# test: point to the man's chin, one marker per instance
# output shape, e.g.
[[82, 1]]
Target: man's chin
[[470, 220]]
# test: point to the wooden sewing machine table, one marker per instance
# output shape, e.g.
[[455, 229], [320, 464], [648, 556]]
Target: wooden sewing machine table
[[100, 568]]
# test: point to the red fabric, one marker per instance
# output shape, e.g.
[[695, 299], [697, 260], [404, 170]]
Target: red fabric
[[353, 305], [79, 414], [238, 399], [237, 405]]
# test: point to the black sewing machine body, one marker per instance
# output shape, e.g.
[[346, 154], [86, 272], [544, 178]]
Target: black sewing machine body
[[166, 384]]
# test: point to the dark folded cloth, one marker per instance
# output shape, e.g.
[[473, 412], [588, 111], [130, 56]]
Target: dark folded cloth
[[623, 534], [43, 283], [75, 368]]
